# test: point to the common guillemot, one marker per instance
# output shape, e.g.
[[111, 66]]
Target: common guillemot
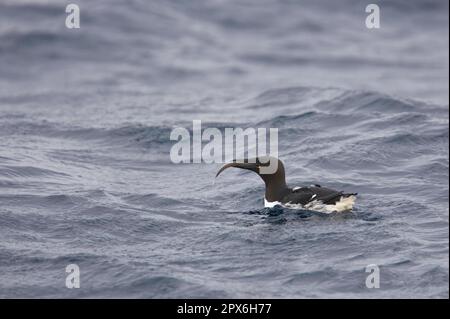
[[278, 193]]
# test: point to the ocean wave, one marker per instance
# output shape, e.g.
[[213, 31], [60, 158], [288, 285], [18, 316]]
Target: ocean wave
[[85, 170]]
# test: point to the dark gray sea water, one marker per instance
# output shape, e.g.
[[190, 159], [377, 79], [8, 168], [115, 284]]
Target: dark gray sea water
[[86, 177]]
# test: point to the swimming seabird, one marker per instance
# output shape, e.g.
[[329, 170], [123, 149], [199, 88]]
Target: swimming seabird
[[277, 192]]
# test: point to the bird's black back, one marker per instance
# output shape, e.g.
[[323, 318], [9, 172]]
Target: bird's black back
[[305, 195]]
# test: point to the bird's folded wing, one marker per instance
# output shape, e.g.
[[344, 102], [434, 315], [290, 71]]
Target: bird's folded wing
[[305, 195]]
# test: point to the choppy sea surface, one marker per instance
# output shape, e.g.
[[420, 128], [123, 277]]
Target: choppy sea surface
[[86, 177]]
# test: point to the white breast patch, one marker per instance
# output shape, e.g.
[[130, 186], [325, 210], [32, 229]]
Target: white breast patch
[[343, 205]]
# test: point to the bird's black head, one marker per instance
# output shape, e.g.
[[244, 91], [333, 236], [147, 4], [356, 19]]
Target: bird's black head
[[269, 168]]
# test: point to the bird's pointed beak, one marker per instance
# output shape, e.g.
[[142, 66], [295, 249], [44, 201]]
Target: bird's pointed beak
[[239, 164]]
